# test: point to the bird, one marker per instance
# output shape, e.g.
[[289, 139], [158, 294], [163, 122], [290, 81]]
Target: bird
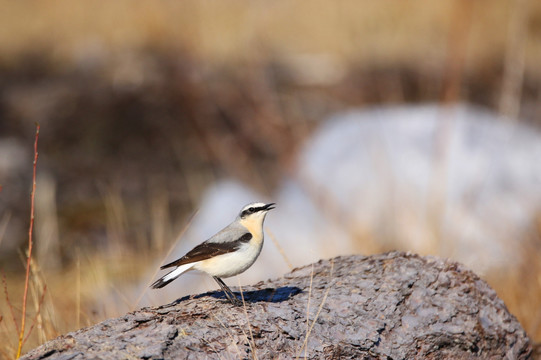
[[229, 252]]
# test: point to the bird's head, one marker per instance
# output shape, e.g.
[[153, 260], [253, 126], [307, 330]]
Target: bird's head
[[253, 214]]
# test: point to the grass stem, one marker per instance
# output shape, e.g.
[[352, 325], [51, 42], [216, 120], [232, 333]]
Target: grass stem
[[29, 254]]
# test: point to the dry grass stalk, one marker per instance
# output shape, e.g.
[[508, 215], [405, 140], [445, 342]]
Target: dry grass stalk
[[251, 342], [280, 248], [29, 257], [305, 343]]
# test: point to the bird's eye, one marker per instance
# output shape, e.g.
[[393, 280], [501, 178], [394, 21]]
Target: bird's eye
[[251, 209]]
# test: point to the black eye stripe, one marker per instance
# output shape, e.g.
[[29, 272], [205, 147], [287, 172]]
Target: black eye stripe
[[252, 210]]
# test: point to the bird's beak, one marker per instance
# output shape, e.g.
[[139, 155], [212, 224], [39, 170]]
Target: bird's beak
[[269, 206]]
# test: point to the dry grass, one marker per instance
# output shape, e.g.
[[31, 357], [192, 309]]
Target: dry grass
[[310, 326], [66, 306], [88, 291], [348, 33], [520, 288], [382, 32]]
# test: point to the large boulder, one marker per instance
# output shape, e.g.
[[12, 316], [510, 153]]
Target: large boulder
[[390, 306]]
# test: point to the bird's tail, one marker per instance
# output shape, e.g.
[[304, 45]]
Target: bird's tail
[[167, 278]]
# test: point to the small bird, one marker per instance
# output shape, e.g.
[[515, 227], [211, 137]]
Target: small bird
[[228, 253]]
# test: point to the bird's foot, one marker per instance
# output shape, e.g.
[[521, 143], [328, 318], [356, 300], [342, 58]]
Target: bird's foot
[[232, 298], [236, 302]]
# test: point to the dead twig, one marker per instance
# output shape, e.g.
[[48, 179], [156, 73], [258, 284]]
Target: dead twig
[[29, 255]]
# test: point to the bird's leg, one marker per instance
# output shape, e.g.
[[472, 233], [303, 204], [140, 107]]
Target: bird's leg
[[227, 291]]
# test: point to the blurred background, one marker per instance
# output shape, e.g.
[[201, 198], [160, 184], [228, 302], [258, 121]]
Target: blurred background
[[374, 126]]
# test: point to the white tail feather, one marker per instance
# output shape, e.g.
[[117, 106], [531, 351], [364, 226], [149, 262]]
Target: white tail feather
[[177, 272], [167, 278]]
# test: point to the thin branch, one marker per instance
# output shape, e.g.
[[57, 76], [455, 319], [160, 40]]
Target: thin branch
[[29, 255]]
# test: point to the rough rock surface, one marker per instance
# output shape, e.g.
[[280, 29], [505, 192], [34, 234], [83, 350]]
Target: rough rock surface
[[389, 306]]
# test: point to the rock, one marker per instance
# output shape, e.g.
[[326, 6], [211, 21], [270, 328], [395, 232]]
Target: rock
[[390, 306]]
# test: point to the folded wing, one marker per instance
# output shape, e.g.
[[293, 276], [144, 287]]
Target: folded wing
[[208, 250]]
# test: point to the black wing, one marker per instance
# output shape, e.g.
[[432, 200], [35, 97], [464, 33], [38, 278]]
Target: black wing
[[208, 250]]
